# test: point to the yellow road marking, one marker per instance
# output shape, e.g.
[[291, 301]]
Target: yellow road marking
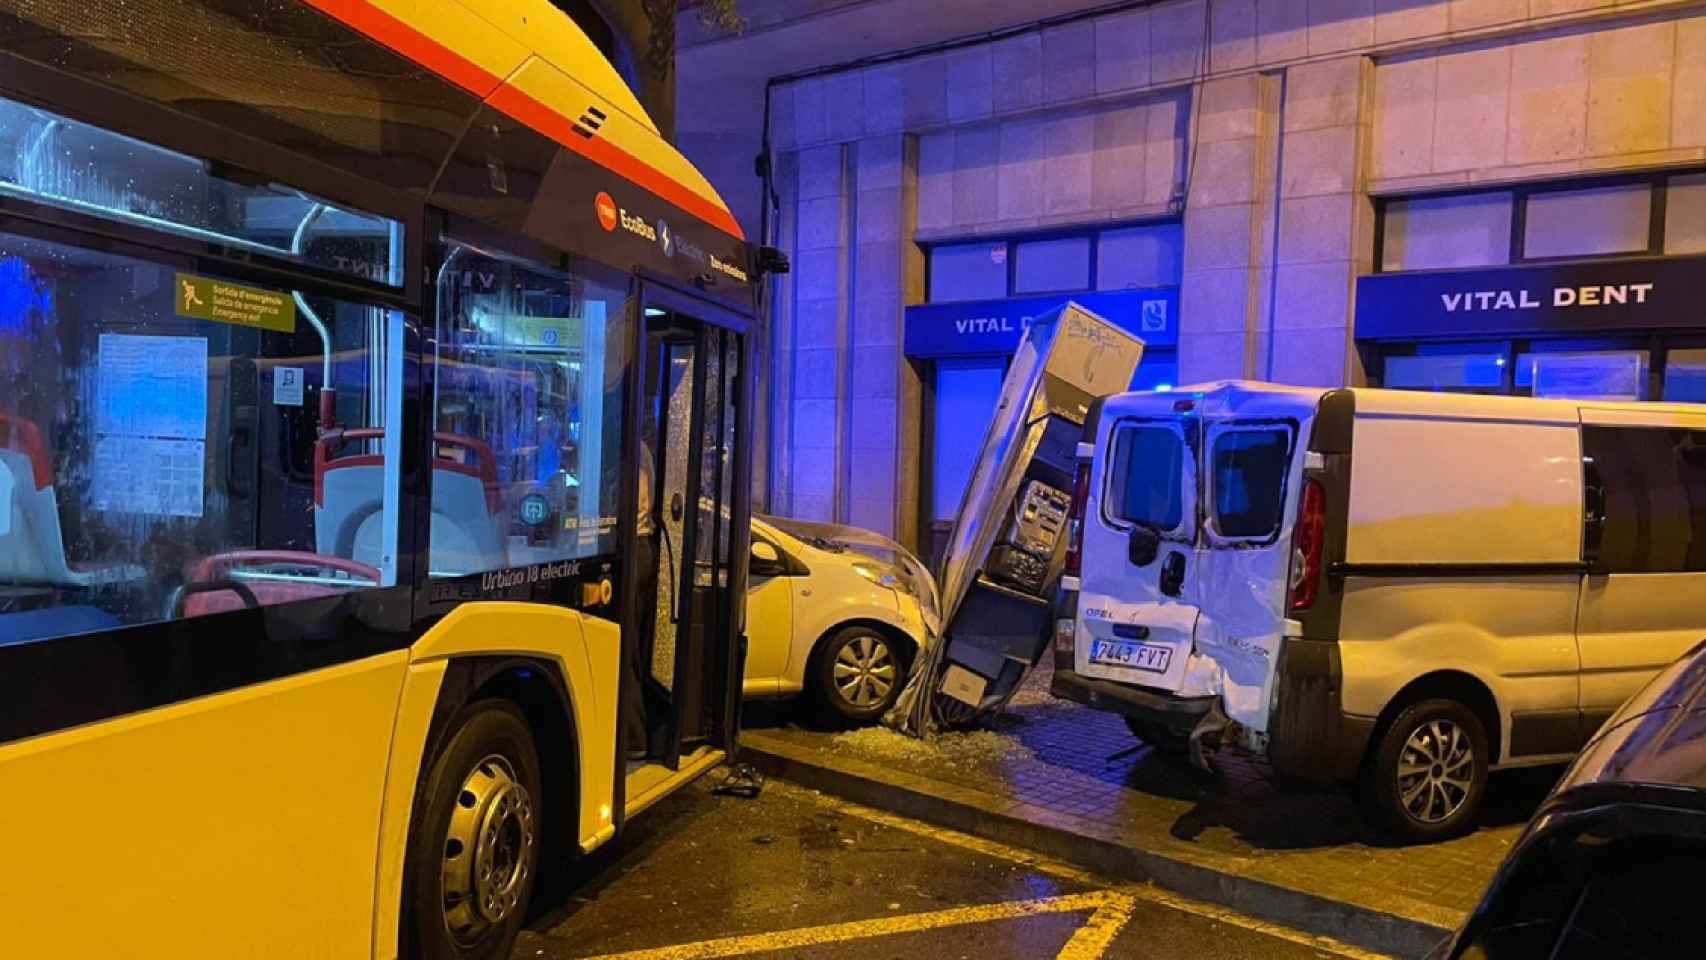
[[884, 926], [1066, 871], [1097, 935]]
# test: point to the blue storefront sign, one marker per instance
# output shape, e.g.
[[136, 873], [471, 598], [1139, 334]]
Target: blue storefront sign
[[1589, 297], [976, 327]]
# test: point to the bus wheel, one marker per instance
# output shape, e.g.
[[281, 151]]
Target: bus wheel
[[474, 845]]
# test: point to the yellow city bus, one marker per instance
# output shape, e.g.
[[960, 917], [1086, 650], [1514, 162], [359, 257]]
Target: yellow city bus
[[373, 472]]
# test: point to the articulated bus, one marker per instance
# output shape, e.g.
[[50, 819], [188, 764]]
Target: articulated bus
[[374, 472]]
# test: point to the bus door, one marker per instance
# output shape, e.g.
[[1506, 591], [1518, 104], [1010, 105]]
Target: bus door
[[694, 462]]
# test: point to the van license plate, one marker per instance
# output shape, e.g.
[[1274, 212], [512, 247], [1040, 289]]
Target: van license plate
[[1124, 653]]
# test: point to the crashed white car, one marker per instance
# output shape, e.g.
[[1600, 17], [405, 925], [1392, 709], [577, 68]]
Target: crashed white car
[[835, 613]]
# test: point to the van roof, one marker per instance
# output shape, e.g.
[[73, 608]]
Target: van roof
[[1249, 396]]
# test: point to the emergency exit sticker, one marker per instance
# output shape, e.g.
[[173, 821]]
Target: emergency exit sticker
[[205, 298], [287, 386]]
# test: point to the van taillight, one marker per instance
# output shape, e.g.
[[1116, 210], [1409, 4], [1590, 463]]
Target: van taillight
[[1075, 521], [1307, 542]]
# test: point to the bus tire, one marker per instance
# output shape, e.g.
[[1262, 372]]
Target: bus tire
[[473, 852]]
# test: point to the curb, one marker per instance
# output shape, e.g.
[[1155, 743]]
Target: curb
[[1028, 827]]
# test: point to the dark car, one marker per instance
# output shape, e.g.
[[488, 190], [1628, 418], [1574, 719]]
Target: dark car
[[1613, 865]]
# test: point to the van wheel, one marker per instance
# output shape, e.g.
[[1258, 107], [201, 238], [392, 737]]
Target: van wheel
[[473, 849], [858, 675], [1162, 739], [1425, 779]]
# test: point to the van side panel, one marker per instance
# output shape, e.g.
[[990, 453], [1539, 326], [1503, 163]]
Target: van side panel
[[1516, 634], [1462, 492]]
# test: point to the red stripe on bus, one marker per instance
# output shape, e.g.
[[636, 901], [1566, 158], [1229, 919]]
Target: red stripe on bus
[[364, 17]]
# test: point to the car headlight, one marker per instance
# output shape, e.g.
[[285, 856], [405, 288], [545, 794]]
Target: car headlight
[[877, 575]]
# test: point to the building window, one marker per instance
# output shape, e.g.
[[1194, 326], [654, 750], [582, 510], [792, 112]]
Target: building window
[[968, 271], [1464, 370], [1060, 265], [1427, 233], [1685, 214], [1132, 257], [1606, 218], [1584, 374], [1135, 257], [1592, 222]]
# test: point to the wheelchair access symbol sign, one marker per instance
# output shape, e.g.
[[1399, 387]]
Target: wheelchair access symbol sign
[[534, 510]]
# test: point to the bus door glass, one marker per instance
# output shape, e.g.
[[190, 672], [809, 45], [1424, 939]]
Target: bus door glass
[[688, 504]]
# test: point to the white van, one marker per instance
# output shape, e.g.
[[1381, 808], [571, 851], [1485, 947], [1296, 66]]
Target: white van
[[1399, 589]]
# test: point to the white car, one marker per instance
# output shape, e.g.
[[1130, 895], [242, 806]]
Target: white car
[[835, 613]]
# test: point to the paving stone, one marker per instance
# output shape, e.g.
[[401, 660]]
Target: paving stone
[[1066, 764]]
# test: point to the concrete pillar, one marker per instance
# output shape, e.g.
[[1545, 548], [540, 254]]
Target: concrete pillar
[[1224, 229], [1325, 221], [820, 321]]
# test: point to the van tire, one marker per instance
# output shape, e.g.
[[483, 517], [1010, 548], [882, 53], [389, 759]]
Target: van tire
[[855, 648], [1438, 793], [485, 779], [1155, 735]]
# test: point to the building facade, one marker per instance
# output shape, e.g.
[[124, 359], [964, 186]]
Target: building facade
[[1487, 195]]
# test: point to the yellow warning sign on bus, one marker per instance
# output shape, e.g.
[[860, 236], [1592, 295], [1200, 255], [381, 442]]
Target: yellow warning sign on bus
[[205, 298]]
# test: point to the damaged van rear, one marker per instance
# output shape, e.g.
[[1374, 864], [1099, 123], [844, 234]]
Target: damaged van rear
[[1400, 590]]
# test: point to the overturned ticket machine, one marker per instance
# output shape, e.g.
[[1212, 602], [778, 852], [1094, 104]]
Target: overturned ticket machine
[[1008, 542]]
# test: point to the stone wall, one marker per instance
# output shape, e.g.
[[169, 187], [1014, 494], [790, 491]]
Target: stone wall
[[1272, 124]]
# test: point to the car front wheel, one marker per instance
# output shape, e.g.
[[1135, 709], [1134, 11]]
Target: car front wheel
[[1425, 780], [858, 675]]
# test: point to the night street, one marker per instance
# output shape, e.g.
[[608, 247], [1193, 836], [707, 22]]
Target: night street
[[796, 874]]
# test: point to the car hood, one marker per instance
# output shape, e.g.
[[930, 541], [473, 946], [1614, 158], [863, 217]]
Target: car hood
[[914, 577]]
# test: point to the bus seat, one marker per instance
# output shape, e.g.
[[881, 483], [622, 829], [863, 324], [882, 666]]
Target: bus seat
[[349, 495], [469, 527], [299, 576], [32, 545]]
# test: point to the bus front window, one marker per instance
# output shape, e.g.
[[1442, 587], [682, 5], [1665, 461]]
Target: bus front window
[[528, 412]]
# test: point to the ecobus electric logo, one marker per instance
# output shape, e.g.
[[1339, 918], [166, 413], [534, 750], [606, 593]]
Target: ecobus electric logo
[[606, 207], [665, 240]]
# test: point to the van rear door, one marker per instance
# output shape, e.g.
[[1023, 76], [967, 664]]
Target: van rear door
[[1251, 469], [1137, 604], [1187, 547]]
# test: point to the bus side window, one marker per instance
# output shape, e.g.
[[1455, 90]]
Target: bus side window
[[528, 417], [139, 420]]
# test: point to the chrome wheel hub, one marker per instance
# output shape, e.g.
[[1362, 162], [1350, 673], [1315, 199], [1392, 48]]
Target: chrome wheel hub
[[864, 671], [488, 850], [1436, 771]]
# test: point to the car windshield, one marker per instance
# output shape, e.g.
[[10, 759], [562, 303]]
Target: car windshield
[[839, 538]]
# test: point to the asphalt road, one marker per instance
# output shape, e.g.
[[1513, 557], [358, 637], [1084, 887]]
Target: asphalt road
[[796, 874]]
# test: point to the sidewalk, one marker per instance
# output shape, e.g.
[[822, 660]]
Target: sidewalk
[[1074, 783]]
